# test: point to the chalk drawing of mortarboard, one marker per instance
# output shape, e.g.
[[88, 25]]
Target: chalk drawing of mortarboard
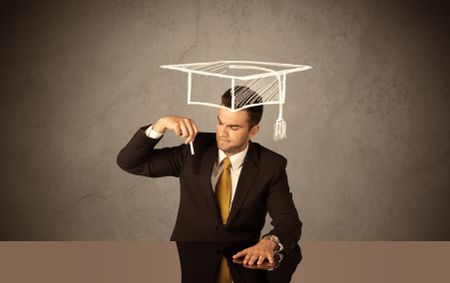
[[251, 83]]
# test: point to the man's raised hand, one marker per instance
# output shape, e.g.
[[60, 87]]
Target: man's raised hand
[[182, 126]]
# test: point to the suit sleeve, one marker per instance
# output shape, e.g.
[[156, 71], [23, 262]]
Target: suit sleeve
[[285, 221], [140, 157]]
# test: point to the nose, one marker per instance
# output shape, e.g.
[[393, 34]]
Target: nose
[[221, 131]]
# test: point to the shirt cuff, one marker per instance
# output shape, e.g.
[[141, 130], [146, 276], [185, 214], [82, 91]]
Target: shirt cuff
[[152, 133]]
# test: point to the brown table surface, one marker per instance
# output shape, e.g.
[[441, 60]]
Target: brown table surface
[[122, 261]]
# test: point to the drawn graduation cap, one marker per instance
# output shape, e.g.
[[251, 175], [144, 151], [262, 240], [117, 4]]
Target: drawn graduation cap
[[251, 83]]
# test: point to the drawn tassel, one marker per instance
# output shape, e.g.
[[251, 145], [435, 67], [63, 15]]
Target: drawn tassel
[[279, 132]]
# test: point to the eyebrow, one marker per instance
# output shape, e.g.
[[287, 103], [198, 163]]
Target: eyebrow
[[233, 125]]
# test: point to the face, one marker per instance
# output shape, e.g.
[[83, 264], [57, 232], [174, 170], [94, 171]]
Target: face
[[232, 131]]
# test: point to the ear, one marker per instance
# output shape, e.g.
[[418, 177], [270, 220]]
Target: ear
[[253, 131]]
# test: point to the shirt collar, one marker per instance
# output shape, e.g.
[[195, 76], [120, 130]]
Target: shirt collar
[[236, 159]]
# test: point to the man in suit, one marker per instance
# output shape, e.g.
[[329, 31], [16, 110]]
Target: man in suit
[[228, 186]]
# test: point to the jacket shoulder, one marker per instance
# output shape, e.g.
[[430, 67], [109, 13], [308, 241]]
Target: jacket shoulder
[[267, 155]]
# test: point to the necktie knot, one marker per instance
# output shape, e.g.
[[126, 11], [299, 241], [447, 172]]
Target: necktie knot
[[226, 163]]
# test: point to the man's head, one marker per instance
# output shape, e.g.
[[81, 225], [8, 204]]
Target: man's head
[[235, 129]]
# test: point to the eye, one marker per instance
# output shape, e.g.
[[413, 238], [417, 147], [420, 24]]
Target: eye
[[234, 128]]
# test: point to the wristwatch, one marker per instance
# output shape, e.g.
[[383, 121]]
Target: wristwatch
[[276, 241]]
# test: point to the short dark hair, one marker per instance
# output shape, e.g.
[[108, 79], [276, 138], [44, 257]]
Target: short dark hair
[[245, 96]]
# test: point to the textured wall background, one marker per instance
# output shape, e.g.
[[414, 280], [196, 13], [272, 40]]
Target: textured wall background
[[368, 127]]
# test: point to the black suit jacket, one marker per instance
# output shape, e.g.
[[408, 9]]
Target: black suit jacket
[[262, 187]]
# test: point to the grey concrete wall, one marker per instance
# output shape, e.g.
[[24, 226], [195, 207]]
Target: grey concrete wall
[[368, 142]]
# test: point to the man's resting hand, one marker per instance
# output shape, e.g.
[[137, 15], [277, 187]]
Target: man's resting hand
[[263, 250]]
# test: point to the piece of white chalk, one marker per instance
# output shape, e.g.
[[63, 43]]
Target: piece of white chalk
[[191, 145]]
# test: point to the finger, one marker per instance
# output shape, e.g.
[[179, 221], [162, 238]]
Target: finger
[[239, 254], [195, 128], [253, 259], [177, 130], [194, 131], [246, 259], [190, 128], [261, 259], [184, 130], [270, 258]]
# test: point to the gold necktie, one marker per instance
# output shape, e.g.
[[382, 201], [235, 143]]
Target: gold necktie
[[224, 275], [223, 198], [223, 190]]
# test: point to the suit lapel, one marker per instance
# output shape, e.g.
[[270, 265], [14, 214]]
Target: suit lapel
[[246, 179], [206, 167]]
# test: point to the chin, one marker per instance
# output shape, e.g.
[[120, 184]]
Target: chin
[[224, 148]]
